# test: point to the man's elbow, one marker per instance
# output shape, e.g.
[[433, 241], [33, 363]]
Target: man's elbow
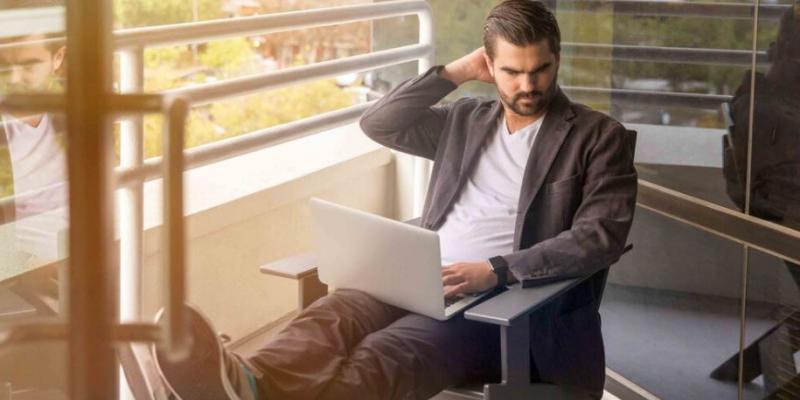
[[370, 127]]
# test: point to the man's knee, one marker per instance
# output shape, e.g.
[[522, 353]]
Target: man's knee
[[347, 300], [353, 307]]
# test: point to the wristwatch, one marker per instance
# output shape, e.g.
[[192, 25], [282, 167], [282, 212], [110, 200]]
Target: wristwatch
[[500, 268]]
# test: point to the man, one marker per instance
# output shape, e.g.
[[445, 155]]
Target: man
[[530, 188], [32, 146]]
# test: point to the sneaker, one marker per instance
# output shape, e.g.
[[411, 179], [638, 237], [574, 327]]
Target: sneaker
[[210, 372]]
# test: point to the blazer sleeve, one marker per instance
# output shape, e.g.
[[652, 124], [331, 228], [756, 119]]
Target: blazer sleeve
[[601, 222], [407, 118]]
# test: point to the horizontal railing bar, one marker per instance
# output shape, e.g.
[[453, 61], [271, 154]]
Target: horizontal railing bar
[[176, 34], [674, 55], [120, 104], [247, 143], [643, 97], [758, 233], [673, 8], [275, 79], [32, 332]]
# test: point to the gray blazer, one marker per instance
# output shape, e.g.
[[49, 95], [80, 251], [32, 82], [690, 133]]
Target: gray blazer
[[575, 209]]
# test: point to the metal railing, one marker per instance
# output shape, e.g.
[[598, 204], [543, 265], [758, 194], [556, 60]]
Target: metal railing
[[671, 8], [131, 42]]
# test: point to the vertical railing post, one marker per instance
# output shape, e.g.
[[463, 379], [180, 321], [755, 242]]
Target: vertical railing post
[[130, 199], [92, 300]]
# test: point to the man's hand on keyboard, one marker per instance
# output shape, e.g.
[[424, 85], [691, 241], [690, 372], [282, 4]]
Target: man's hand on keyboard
[[467, 277]]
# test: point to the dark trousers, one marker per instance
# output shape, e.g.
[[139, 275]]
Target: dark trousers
[[347, 345]]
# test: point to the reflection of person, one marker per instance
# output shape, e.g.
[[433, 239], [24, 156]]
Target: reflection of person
[[775, 167], [775, 184], [542, 188], [33, 145]]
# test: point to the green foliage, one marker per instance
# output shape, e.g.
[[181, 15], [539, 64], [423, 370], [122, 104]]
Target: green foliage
[[134, 13], [163, 56], [6, 178], [242, 115], [231, 57]]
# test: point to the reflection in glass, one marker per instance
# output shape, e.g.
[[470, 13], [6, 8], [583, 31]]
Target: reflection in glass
[[671, 309], [33, 197], [773, 328], [775, 160]]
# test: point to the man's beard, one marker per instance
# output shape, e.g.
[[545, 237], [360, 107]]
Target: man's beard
[[537, 100]]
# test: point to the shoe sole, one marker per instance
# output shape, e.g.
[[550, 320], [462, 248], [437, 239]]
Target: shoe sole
[[202, 375]]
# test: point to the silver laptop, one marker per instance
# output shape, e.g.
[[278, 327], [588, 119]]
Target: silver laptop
[[397, 263]]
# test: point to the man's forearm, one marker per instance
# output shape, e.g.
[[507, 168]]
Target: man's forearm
[[471, 67], [454, 74]]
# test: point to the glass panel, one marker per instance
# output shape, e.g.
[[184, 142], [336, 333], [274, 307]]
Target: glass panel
[[33, 197], [771, 359], [671, 310], [775, 168], [668, 78]]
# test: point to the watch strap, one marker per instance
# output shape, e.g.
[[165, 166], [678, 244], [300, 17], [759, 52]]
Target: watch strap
[[500, 268]]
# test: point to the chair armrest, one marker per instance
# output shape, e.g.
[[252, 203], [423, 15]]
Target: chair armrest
[[504, 308], [296, 267], [303, 269]]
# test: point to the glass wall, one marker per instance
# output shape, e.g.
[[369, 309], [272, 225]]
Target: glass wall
[[680, 73]]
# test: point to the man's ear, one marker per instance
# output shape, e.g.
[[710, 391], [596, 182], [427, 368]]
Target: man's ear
[[58, 58], [489, 63]]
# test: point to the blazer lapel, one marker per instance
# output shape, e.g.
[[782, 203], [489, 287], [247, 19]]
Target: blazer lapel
[[551, 136], [452, 181], [483, 127]]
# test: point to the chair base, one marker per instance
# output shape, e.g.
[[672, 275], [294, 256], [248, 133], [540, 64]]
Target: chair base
[[512, 392]]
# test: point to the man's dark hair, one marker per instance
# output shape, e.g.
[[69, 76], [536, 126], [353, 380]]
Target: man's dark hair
[[521, 22]]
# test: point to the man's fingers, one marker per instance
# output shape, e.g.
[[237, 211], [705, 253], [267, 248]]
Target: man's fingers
[[452, 280], [450, 291]]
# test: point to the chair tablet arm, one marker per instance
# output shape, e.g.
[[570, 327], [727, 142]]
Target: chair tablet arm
[[516, 302], [506, 307]]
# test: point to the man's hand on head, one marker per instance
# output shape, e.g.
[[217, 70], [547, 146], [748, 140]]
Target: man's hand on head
[[468, 277], [471, 67]]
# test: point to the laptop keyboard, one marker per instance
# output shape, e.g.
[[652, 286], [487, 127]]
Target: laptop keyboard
[[453, 300]]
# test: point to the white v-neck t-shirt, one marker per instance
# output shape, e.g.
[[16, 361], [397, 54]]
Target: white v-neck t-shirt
[[39, 165], [480, 225]]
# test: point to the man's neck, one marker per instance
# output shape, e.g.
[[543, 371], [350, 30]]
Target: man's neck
[[32, 120], [515, 122]]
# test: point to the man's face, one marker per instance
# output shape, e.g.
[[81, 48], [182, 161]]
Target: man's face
[[525, 76], [28, 68]]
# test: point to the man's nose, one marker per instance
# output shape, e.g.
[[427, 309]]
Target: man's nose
[[528, 83]]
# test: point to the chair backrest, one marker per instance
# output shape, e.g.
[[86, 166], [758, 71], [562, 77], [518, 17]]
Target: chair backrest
[[602, 275]]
